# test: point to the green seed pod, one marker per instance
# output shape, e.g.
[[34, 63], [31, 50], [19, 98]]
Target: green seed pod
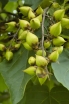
[[39, 17], [47, 44], [54, 56], [9, 55], [55, 5], [31, 14], [27, 46], [31, 60], [40, 52], [22, 34], [40, 72], [35, 23], [41, 61], [24, 10], [42, 80], [11, 26], [59, 49], [31, 39], [56, 29], [65, 22], [17, 46], [30, 70], [59, 14], [58, 41], [24, 24], [39, 10], [2, 47]]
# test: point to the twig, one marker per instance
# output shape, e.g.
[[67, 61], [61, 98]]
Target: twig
[[14, 36], [43, 30]]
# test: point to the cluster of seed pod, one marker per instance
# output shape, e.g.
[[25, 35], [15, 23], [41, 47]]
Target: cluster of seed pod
[[31, 21], [27, 25], [39, 63], [38, 67]]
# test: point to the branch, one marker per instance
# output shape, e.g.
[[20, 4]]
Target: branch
[[44, 14]]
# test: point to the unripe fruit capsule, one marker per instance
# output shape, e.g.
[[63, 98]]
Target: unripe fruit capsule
[[17, 46], [54, 56], [39, 17], [31, 14], [27, 46], [35, 23], [47, 44], [42, 80], [41, 61], [59, 14], [2, 47], [24, 24], [22, 34], [9, 55], [59, 49], [56, 29], [30, 70], [40, 52], [39, 10], [31, 39], [55, 5], [24, 10], [31, 60], [58, 41], [65, 22]]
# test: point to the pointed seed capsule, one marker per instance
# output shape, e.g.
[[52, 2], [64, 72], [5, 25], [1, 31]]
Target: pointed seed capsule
[[27, 46], [9, 55], [59, 14], [31, 14], [22, 34], [24, 24], [31, 39], [58, 41], [40, 52], [35, 23], [47, 44], [41, 61], [59, 49], [54, 56], [31, 60], [30, 70], [56, 29], [24, 10], [2, 47], [65, 22], [39, 10]]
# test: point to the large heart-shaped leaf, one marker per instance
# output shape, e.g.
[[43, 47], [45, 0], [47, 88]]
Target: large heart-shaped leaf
[[61, 69], [12, 73], [36, 94]]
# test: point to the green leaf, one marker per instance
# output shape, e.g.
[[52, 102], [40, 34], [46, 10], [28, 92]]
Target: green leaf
[[3, 2], [59, 1], [4, 94], [36, 94], [10, 6], [61, 69], [65, 33], [33, 3], [3, 86], [13, 75], [13, 0], [45, 3]]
